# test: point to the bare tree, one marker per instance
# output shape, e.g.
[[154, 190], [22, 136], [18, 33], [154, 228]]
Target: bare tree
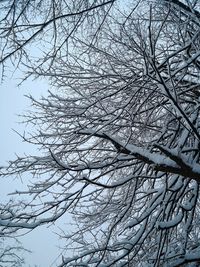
[[119, 141], [27, 26], [11, 255]]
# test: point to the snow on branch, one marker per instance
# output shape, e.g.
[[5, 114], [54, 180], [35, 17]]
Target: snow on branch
[[169, 162]]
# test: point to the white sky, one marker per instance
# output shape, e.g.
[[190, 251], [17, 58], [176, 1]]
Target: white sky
[[41, 241]]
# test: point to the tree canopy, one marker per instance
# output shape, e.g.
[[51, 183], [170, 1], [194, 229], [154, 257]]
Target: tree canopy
[[119, 137]]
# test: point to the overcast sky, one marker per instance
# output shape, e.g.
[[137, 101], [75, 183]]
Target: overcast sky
[[12, 102]]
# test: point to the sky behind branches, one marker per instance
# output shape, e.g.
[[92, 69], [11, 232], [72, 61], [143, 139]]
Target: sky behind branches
[[12, 102]]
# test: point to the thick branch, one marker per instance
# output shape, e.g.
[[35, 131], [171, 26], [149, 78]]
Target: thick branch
[[156, 160]]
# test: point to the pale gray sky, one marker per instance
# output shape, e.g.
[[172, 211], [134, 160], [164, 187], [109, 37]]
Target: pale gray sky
[[12, 102]]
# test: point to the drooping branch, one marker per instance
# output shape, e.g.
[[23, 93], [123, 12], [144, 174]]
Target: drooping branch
[[170, 162]]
